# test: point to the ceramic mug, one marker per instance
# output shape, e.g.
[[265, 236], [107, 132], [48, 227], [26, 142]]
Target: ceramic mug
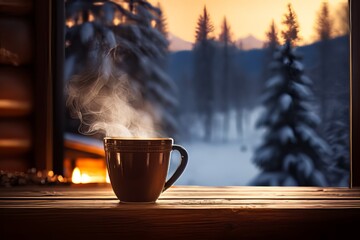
[[138, 167]]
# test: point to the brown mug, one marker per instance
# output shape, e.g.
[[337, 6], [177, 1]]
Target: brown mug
[[138, 167]]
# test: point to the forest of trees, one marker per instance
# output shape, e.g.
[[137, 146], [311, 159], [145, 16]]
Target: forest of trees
[[306, 114]]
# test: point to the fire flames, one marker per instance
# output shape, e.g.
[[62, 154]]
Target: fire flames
[[89, 171]]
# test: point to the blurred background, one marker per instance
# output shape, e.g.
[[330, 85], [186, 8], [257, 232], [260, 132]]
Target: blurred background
[[256, 91]]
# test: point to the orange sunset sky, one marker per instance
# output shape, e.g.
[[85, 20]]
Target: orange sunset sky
[[244, 16]]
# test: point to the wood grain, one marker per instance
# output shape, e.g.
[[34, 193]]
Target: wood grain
[[16, 41], [15, 138], [181, 213], [15, 92], [16, 7]]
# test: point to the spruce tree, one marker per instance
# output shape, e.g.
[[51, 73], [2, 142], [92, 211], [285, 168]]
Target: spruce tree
[[291, 152], [324, 31], [226, 48], [204, 28], [338, 137], [204, 53], [160, 23], [271, 44], [272, 39], [131, 45], [291, 25]]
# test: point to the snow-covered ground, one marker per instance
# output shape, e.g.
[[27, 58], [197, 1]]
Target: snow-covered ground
[[223, 163]]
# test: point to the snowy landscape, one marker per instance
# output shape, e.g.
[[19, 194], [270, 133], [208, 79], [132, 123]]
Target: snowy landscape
[[269, 112]]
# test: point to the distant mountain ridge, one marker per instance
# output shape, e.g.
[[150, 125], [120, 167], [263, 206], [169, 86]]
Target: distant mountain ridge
[[249, 42], [178, 44], [180, 64], [246, 43]]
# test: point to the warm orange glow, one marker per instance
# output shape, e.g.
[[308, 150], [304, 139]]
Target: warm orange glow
[[50, 173], [107, 177], [89, 170], [91, 17], [61, 179], [17, 143], [116, 21], [70, 23], [11, 104], [244, 16], [76, 176]]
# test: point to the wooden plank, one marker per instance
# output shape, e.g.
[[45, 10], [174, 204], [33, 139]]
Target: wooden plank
[[355, 92], [14, 164], [157, 223], [43, 87], [181, 193], [189, 203], [182, 212], [16, 41], [15, 92], [15, 138], [16, 7]]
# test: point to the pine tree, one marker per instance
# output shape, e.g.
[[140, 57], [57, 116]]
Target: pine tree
[[291, 152], [272, 41], [204, 28], [291, 25], [324, 26], [344, 18], [225, 39], [271, 44], [133, 47], [324, 31], [337, 135], [160, 23], [204, 52]]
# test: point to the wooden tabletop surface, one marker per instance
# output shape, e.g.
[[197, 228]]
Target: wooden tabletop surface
[[184, 197], [182, 212]]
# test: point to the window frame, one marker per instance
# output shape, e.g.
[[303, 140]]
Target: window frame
[[51, 39]]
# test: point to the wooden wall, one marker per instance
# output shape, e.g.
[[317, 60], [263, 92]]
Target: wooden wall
[[27, 58], [16, 84]]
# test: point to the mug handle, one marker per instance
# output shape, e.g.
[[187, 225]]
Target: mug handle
[[180, 169]]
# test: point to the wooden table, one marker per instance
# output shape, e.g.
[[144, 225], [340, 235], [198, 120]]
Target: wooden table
[[93, 212]]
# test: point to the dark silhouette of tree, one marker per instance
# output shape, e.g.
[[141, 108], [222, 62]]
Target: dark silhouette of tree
[[226, 98], [291, 150], [272, 39], [160, 23], [204, 28], [324, 24], [291, 27], [324, 31], [271, 44], [344, 19], [204, 52], [337, 134]]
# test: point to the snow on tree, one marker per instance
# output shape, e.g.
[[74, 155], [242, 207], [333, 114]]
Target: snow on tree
[[291, 25], [204, 53], [123, 32], [291, 152], [337, 135]]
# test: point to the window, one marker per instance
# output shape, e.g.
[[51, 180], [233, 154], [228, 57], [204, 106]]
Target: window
[[219, 83]]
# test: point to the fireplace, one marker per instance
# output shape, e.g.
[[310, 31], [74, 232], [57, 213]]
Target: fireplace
[[84, 160]]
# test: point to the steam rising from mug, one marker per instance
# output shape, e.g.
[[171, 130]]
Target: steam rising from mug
[[106, 102]]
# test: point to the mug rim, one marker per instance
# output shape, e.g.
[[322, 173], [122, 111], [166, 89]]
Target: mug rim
[[138, 138]]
